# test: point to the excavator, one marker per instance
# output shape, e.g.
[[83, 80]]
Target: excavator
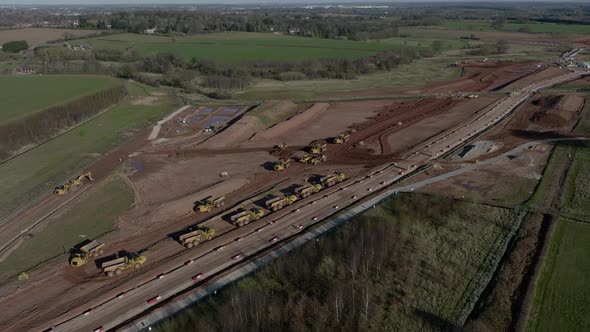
[[66, 187]]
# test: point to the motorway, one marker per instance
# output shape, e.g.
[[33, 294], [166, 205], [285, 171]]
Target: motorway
[[225, 251]]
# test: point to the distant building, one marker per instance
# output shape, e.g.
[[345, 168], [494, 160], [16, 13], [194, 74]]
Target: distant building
[[294, 31], [150, 31]]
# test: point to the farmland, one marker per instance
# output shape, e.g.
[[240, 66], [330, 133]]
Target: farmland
[[23, 95], [474, 25], [39, 36], [238, 46], [383, 257]]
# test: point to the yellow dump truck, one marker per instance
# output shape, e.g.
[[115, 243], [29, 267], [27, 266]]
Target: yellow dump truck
[[245, 217], [321, 158], [208, 204], [317, 147], [282, 164], [64, 188], [193, 238], [343, 137], [278, 203], [116, 266], [308, 190], [79, 256], [330, 180]]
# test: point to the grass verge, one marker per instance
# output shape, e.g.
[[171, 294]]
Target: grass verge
[[563, 294], [39, 170], [93, 215]]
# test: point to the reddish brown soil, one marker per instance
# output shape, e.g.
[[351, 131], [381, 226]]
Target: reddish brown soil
[[176, 175]]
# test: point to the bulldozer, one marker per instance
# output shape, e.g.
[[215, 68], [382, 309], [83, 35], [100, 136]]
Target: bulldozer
[[245, 217], [193, 238], [342, 138], [308, 190], [317, 147], [282, 164], [66, 187], [278, 203], [208, 204], [79, 256], [303, 158], [330, 180], [116, 266]]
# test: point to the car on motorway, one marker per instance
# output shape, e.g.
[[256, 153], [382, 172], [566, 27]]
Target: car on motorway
[[354, 197], [219, 248], [300, 227], [161, 275], [336, 206], [236, 257], [98, 329], [316, 218], [274, 239], [189, 262], [369, 189], [199, 276], [154, 299]]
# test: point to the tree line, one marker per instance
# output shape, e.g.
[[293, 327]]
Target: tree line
[[15, 46], [45, 124], [353, 279]]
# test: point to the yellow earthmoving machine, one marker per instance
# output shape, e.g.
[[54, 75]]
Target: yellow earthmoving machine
[[64, 188], [330, 180], [308, 190], [317, 147], [116, 266], [193, 238], [303, 158], [79, 256], [278, 203], [282, 164], [473, 96], [208, 204], [321, 158], [245, 217], [343, 137]]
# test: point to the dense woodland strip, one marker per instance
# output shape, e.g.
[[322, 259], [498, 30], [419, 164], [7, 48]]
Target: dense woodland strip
[[37, 127]]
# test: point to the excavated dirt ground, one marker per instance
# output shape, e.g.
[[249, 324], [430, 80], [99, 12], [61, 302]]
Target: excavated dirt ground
[[169, 179]]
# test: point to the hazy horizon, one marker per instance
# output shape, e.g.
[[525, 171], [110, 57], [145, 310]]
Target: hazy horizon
[[201, 2]]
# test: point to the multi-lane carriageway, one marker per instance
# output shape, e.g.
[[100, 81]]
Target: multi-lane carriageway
[[272, 229]]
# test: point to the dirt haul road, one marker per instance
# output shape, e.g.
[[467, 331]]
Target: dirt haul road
[[223, 251]]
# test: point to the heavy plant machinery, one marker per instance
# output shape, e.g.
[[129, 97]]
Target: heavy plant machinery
[[330, 180], [343, 137], [278, 203], [308, 190], [79, 256], [245, 217], [282, 164], [208, 204], [321, 158], [317, 147], [193, 238], [116, 266], [64, 188]]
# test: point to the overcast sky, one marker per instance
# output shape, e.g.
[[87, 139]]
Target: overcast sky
[[100, 2]]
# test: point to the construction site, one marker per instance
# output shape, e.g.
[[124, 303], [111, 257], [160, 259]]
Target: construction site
[[215, 186]]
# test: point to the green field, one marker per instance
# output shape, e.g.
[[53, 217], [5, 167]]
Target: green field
[[563, 296], [408, 265], [417, 73], [89, 218], [475, 25], [39, 170], [240, 46], [22, 95]]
